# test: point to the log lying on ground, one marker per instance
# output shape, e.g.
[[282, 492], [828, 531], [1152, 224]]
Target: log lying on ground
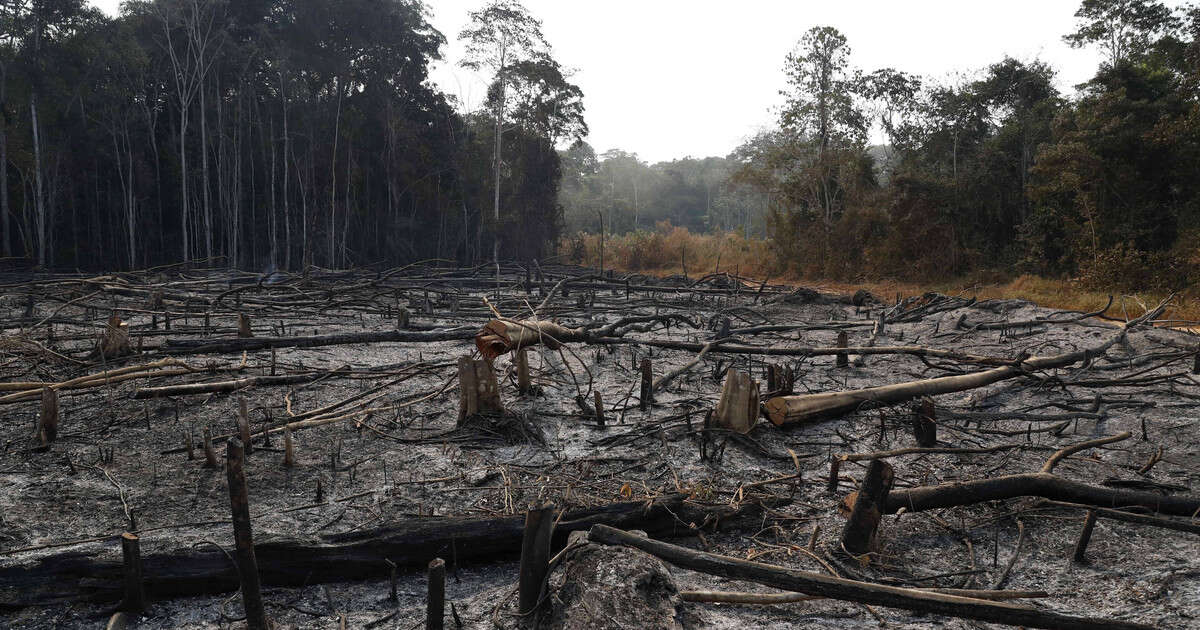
[[188, 389], [157, 369], [1039, 484], [729, 346], [1130, 517], [851, 590], [1002, 325], [772, 599], [500, 336], [783, 410], [196, 346], [357, 555]]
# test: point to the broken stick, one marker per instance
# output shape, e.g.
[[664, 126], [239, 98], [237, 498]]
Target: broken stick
[[851, 590]]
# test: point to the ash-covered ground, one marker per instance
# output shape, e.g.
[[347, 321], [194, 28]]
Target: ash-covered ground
[[392, 449]]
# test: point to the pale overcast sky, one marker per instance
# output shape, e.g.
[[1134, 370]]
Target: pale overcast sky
[[673, 78]]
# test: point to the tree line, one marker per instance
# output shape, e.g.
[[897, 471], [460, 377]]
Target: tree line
[[274, 134], [993, 170], [618, 192]]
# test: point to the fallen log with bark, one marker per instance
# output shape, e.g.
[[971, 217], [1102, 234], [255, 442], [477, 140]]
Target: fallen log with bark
[[855, 591], [188, 389], [501, 336], [787, 410], [199, 346], [158, 369], [1039, 484], [358, 555]]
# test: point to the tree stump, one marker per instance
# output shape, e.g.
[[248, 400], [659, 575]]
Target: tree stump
[[842, 357], [47, 429], [535, 557], [244, 330], [600, 420], [289, 449], [737, 410], [647, 391], [478, 389], [1085, 536], [925, 423], [859, 536], [435, 604], [243, 423], [524, 383], [135, 592], [247, 564], [210, 456], [781, 379], [115, 340]]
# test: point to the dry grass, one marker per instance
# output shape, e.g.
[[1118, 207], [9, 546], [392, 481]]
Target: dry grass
[[671, 250]]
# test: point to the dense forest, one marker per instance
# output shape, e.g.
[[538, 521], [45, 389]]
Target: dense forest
[[283, 133], [273, 134], [995, 169]]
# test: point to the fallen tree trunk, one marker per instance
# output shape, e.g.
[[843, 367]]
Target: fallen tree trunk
[[197, 346], [188, 389], [783, 410], [158, 369], [340, 557], [501, 336], [1039, 484], [851, 590], [1131, 517], [772, 599]]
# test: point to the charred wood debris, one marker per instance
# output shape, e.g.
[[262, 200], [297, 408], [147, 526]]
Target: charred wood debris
[[424, 417]]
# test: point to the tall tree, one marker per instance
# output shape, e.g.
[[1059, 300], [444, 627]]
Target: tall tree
[[1122, 28], [821, 110], [501, 37], [44, 25], [190, 34]]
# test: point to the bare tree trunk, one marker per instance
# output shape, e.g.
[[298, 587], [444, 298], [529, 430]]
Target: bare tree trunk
[[273, 219], [5, 239], [496, 166], [346, 205], [337, 127], [287, 210], [124, 157], [151, 127], [496, 194], [305, 253], [39, 201], [183, 187], [204, 182]]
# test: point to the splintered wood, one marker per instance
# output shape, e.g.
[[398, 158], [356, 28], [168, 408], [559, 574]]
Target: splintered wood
[[114, 343], [503, 336], [478, 391], [737, 410]]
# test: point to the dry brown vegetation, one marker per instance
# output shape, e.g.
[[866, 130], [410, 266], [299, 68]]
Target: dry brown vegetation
[[671, 250]]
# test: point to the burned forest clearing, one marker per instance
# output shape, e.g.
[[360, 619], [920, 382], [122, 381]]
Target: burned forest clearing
[[590, 449]]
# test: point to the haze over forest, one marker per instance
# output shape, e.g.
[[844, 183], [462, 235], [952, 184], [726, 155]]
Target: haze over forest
[[280, 133]]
